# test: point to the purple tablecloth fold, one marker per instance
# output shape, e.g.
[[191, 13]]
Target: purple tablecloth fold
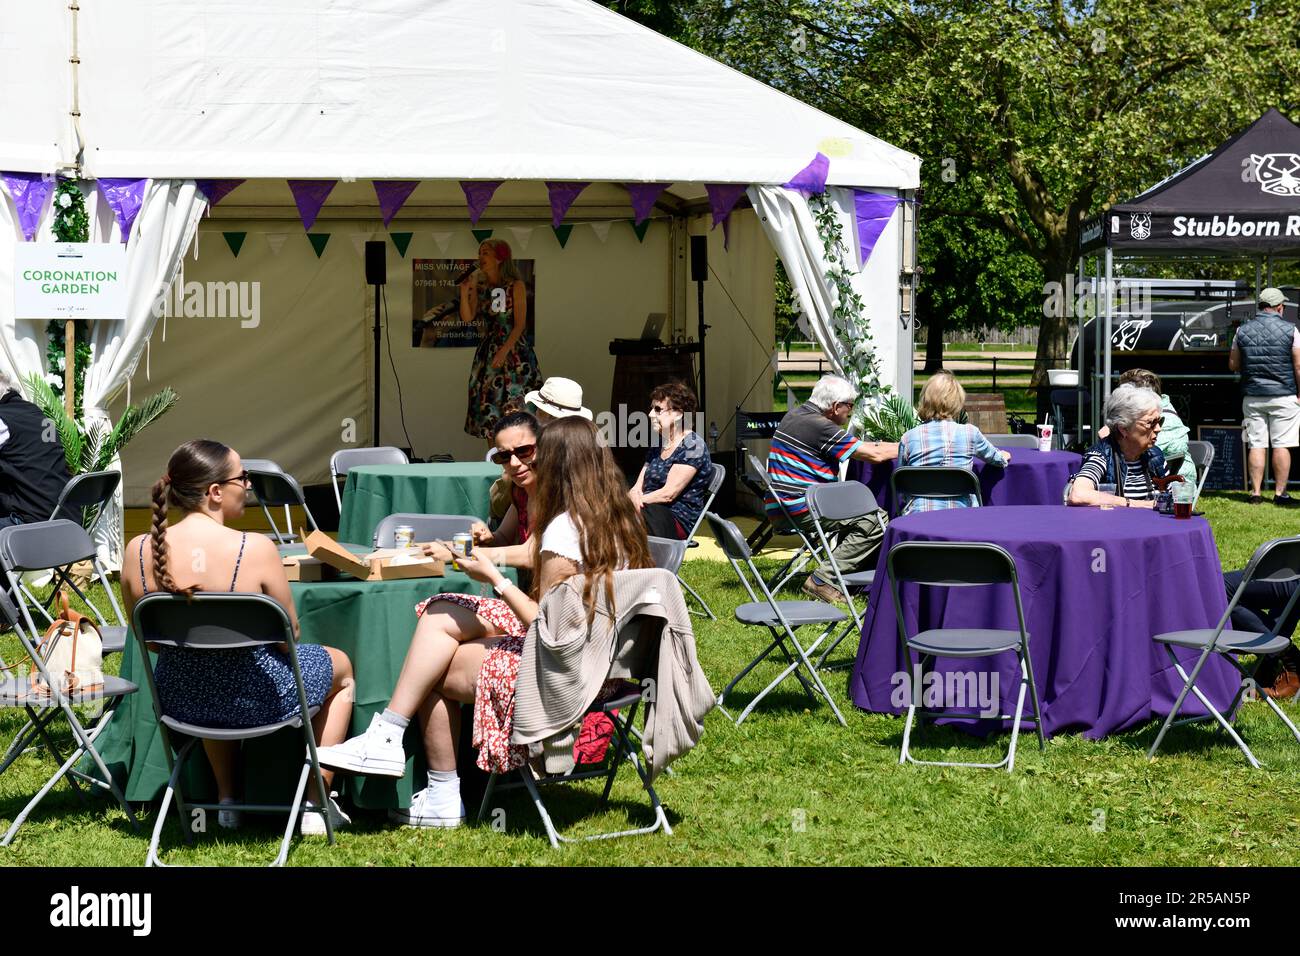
[[1096, 585], [1033, 478]]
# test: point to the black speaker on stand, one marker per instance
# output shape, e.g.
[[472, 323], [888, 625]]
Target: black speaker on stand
[[700, 275], [377, 276]]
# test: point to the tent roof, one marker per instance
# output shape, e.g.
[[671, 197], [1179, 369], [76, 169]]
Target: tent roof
[[432, 89], [1241, 198]]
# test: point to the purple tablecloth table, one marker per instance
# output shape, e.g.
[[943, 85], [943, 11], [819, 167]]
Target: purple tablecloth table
[[1033, 478], [1096, 585]]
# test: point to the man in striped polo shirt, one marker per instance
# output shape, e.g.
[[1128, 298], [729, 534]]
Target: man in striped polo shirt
[[808, 447]]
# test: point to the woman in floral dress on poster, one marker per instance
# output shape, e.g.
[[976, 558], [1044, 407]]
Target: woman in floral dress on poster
[[505, 365]]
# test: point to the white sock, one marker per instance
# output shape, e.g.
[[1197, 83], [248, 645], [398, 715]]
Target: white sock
[[394, 718], [440, 779]]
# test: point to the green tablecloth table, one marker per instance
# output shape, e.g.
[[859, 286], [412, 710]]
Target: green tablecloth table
[[373, 492], [372, 622]]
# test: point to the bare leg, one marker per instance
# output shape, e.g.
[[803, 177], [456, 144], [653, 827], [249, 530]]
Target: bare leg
[[440, 713], [442, 629], [221, 756], [331, 722], [1255, 463], [1281, 469]]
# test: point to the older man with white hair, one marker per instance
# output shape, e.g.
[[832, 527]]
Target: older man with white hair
[[807, 449], [33, 469]]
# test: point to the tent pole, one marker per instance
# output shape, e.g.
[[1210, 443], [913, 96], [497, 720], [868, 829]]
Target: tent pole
[[1259, 275], [1269, 263], [1110, 308], [1096, 343], [1080, 275]]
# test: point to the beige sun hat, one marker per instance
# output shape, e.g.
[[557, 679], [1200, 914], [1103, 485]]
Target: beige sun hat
[[559, 398]]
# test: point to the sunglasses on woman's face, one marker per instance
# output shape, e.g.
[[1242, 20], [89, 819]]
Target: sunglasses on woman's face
[[524, 453]]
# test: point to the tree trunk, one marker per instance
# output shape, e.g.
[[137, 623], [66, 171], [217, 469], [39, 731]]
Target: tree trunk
[[934, 342], [1054, 332]]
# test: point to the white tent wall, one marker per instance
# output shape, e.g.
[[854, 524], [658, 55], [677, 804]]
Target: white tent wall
[[288, 388], [35, 75]]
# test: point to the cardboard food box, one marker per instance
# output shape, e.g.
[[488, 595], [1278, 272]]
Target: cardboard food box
[[387, 564], [303, 567]]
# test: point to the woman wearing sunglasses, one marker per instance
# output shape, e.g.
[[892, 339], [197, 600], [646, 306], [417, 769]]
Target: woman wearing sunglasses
[[1127, 457], [515, 437], [674, 482], [206, 482]]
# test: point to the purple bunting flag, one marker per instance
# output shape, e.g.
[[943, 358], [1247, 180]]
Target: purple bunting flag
[[723, 198], [644, 197], [477, 196], [871, 213], [124, 197], [812, 178], [217, 189], [310, 195], [392, 194], [29, 191], [562, 197]]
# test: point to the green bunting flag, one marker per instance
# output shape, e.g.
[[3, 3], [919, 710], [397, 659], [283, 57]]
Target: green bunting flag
[[401, 241], [318, 241], [235, 240], [640, 230], [482, 235], [562, 233]]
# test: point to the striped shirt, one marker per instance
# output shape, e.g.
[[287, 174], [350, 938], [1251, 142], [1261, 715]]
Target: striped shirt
[[944, 442], [806, 450], [1137, 485]]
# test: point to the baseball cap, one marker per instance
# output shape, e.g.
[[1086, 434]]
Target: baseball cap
[[1271, 297]]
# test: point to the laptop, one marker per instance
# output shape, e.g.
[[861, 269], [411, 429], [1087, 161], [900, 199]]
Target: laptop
[[654, 326]]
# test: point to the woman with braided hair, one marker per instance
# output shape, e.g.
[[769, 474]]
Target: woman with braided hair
[[206, 481]]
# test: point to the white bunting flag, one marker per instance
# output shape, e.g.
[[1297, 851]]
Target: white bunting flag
[[522, 236], [276, 241], [442, 239], [601, 229]]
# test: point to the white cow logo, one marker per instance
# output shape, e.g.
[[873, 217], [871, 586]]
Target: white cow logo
[[1125, 337], [1139, 226], [1278, 174]]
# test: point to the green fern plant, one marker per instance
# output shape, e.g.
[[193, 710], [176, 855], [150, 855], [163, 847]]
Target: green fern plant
[[92, 447], [889, 420]]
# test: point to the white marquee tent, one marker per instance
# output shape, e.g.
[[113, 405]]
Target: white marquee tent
[[439, 91]]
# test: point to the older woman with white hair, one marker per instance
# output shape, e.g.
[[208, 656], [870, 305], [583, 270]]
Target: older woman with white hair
[[1127, 457]]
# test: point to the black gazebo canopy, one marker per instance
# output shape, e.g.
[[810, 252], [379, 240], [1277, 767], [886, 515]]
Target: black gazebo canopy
[[1242, 199]]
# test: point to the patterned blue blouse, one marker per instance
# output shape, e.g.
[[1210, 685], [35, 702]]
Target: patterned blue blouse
[[694, 452]]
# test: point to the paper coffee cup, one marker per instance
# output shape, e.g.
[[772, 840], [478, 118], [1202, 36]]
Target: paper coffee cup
[[1044, 437]]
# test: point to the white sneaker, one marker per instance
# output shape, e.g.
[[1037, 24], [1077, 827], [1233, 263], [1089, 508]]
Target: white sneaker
[[313, 824], [425, 812], [378, 751]]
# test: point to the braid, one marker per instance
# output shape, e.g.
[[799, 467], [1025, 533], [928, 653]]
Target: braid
[[158, 532]]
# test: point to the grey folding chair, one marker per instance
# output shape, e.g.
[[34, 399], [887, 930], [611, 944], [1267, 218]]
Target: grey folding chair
[[1277, 562], [806, 551], [621, 710], [934, 481], [206, 623], [42, 546], [93, 489], [1202, 455], [842, 501], [1013, 441], [667, 553], [345, 459], [273, 486], [715, 482], [781, 618], [425, 527], [960, 564]]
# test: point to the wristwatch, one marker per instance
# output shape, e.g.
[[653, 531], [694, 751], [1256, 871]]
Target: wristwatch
[[502, 586]]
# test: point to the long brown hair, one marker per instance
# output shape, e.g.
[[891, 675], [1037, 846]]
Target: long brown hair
[[191, 470], [576, 474]]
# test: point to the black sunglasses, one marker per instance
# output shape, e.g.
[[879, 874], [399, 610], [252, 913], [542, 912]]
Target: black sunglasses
[[524, 453], [242, 478]]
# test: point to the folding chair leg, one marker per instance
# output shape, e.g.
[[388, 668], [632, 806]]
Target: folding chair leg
[[527, 774], [748, 667], [1189, 686], [793, 668], [487, 796], [708, 611]]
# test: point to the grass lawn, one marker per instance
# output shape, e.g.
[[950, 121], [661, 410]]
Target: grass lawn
[[790, 786]]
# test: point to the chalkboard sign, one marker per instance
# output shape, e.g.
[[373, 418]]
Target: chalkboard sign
[[1228, 470]]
